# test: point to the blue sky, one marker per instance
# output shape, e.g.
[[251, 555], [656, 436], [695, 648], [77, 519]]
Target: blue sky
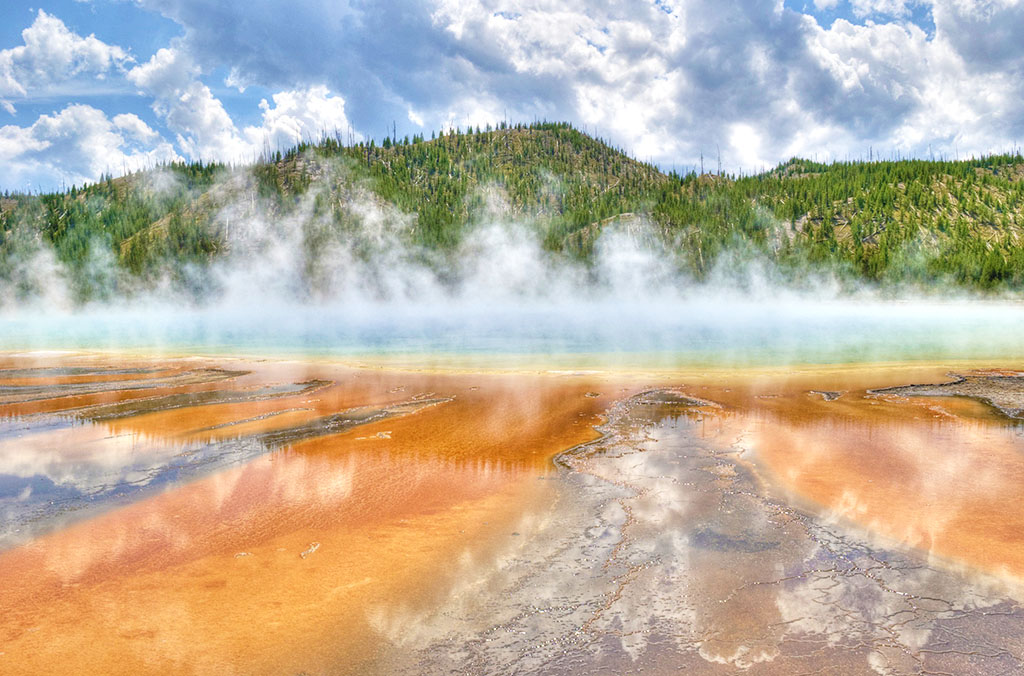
[[877, 11], [91, 86]]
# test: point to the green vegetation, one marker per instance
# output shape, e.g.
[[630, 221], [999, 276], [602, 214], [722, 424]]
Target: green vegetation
[[902, 223]]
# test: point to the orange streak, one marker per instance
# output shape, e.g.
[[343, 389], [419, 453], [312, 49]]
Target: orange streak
[[278, 565], [939, 474]]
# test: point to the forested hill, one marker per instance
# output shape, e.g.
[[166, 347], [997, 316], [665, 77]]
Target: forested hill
[[910, 222]]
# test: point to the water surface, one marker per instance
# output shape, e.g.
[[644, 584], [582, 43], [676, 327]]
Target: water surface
[[632, 332], [294, 516]]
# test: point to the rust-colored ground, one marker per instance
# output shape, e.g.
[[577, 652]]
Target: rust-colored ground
[[276, 566], [271, 567], [939, 474]]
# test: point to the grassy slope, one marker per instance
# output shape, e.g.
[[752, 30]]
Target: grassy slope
[[912, 221]]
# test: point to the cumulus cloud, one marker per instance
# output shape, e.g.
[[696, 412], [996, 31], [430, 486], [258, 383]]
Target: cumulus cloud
[[78, 144], [385, 59], [205, 130], [300, 115], [52, 55], [188, 107], [755, 80], [934, 93], [985, 33], [666, 80], [81, 142]]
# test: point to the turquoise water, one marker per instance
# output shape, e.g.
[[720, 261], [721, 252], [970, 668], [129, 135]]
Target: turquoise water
[[711, 331]]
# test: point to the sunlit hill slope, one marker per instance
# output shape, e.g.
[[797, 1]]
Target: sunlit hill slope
[[902, 223]]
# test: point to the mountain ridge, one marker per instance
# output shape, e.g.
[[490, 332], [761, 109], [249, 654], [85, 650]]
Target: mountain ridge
[[910, 222]]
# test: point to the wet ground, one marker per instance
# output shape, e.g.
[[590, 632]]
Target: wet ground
[[283, 518], [667, 556], [242, 519]]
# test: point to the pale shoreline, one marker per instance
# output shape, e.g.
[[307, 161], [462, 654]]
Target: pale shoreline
[[595, 364]]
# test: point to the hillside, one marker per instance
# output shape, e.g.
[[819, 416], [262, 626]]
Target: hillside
[[915, 222]]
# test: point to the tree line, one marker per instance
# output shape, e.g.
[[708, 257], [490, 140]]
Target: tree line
[[892, 223]]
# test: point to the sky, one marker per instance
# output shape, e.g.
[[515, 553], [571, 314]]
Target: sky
[[89, 87]]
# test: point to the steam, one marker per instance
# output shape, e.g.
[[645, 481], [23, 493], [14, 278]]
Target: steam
[[337, 273]]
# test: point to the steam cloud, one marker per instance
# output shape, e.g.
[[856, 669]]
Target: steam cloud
[[299, 283]]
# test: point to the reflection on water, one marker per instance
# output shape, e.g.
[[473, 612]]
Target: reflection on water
[[937, 473], [357, 492], [54, 469], [667, 555], [287, 518]]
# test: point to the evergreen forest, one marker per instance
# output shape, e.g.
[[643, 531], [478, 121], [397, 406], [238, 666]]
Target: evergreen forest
[[895, 224]]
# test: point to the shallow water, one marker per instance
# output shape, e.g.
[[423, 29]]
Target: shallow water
[[232, 516], [679, 561], [251, 535], [705, 329]]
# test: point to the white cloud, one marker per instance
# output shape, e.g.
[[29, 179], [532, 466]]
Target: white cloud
[[665, 81], [300, 115], [78, 144], [167, 73], [612, 70], [205, 130], [203, 127], [51, 55], [745, 145], [135, 128], [664, 84], [881, 7], [937, 93]]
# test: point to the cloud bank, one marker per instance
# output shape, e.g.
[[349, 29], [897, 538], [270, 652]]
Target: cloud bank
[[755, 81]]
